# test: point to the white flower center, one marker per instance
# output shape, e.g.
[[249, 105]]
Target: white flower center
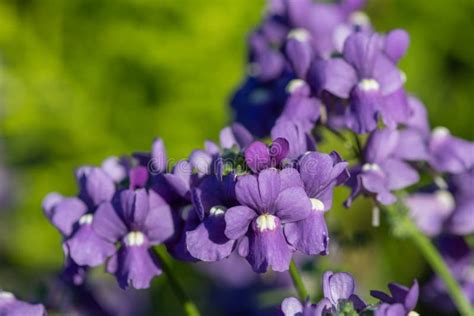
[[445, 199], [369, 85], [371, 167], [217, 210], [266, 222], [440, 132], [6, 296], [293, 85], [299, 34], [359, 18], [134, 239], [86, 219], [413, 313], [317, 205]]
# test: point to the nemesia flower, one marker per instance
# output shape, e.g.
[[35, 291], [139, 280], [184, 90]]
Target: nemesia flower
[[291, 306], [318, 175], [268, 201], [10, 306], [137, 220], [365, 76], [339, 297], [211, 199], [384, 168], [445, 210], [73, 216], [450, 154], [401, 302], [340, 287]]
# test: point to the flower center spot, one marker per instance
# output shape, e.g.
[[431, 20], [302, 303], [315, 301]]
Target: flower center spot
[[266, 222], [134, 239], [369, 85]]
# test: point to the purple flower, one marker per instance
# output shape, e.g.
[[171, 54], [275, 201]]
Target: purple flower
[[211, 199], [338, 288], [268, 201], [328, 23], [384, 167], [318, 175], [259, 156], [443, 210], [401, 302], [10, 306], [291, 306], [138, 220], [450, 154], [430, 211], [366, 76], [73, 216], [299, 52]]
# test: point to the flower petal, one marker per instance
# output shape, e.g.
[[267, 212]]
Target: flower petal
[[159, 224], [66, 213], [338, 286], [269, 186], [292, 205], [268, 248], [87, 248], [108, 224], [208, 242], [310, 235], [396, 44], [339, 77], [279, 150], [291, 306], [134, 266], [399, 174], [238, 219], [257, 156]]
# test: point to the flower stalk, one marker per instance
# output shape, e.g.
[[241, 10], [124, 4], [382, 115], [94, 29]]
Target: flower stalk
[[298, 282], [188, 305], [403, 227]]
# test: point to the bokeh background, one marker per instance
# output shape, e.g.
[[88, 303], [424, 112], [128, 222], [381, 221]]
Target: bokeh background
[[84, 79]]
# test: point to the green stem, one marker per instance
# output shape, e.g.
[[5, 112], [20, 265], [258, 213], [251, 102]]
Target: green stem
[[298, 282], [404, 227], [188, 305]]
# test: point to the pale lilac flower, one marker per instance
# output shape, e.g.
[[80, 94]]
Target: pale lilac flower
[[318, 174], [137, 220], [384, 167], [73, 216], [268, 201]]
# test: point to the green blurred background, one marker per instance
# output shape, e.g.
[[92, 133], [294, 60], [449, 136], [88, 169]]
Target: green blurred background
[[84, 79]]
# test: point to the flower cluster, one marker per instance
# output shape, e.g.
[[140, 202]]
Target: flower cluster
[[311, 66], [340, 299], [239, 195]]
